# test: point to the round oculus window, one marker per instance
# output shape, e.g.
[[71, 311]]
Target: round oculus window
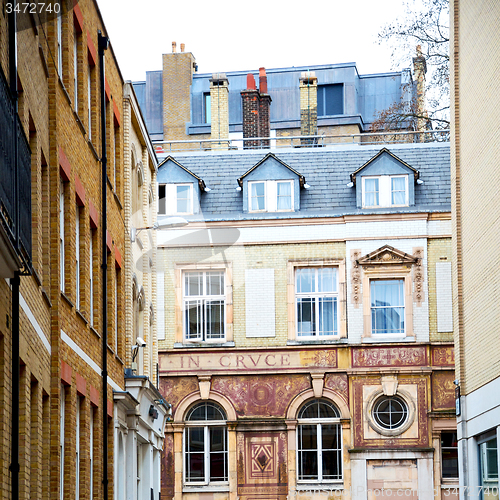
[[390, 412]]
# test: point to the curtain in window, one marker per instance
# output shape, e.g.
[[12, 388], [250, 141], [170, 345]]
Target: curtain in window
[[398, 191], [387, 305], [371, 193], [183, 199], [257, 196], [284, 195]]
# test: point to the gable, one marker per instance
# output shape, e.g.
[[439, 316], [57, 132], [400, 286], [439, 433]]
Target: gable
[[385, 163], [172, 172]]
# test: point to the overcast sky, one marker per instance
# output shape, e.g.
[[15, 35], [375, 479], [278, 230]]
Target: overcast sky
[[242, 35]]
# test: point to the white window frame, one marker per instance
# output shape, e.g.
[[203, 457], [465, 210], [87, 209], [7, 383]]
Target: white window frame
[[397, 273], [205, 424], [403, 306], [318, 422], [77, 258], [317, 295], [89, 100], [384, 190], [59, 45], [91, 279], [91, 452], [203, 299], [171, 199], [75, 67], [487, 481], [62, 433], [271, 195], [77, 448], [62, 253]]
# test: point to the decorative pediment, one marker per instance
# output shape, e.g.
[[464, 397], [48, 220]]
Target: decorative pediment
[[387, 255]]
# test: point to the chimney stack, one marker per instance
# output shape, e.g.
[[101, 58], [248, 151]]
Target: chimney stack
[[264, 108], [183, 46], [419, 71], [256, 115], [308, 85], [174, 47], [219, 106]]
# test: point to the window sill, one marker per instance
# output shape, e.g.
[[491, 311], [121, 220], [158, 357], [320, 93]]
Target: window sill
[[329, 341], [83, 318], [223, 488], [323, 486], [386, 340], [67, 299], [194, 345]]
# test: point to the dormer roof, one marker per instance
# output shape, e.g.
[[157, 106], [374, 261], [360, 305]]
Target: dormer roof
[[301, 178], [384, 155], [201, 182]]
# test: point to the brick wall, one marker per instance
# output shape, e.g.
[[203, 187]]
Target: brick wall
[[475, 180]]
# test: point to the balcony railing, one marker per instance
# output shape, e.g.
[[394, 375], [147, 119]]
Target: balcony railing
[[298, 141], [15, 179]]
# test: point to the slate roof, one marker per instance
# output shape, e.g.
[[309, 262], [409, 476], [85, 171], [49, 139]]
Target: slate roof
[[327, 171]]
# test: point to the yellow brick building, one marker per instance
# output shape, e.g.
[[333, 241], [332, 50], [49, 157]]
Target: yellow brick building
[[475, 60], [77, 420]]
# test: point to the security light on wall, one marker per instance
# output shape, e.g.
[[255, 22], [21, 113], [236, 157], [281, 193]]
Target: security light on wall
[[169, 223]]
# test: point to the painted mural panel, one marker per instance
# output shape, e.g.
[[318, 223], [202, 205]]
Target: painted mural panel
[[262, 458]]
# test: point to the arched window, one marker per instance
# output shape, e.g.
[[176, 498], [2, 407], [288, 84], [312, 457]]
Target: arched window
[[319, 432], [205, 445]]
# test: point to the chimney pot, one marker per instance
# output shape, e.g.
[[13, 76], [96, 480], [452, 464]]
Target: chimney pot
[[251, 82], [183, 46], [174, 46], [262, 81]]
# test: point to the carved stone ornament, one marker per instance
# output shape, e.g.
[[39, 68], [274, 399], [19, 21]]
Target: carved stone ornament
[[389, 385], [318, 382], [356, 278], [418, 276], [386, 255], [204, 382]]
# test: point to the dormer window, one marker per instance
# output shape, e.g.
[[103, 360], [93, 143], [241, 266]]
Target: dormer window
[[385, 181], [385, 191], [175, 199], [271, 196]]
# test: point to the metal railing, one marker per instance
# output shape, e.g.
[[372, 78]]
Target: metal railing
[[15, 178], [301, 141]]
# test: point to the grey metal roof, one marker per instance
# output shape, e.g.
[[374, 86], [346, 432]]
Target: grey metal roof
[[327, 171]]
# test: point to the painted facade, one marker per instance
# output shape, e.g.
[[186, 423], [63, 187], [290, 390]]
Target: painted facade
[[270, 353]]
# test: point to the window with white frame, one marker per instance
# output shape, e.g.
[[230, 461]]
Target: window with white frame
[[91, 277], [205, 445], [62, 243], [77, 256], [319, 443], [385, 191], [62, 436], [77, 451], [316, 295], [59, 45], [387, 303], [204, 306], [175, 199], [270, 196], [489, 467]]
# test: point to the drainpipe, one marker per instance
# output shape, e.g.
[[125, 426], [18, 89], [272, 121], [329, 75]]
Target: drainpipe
[[103, 43], [14, 463]]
